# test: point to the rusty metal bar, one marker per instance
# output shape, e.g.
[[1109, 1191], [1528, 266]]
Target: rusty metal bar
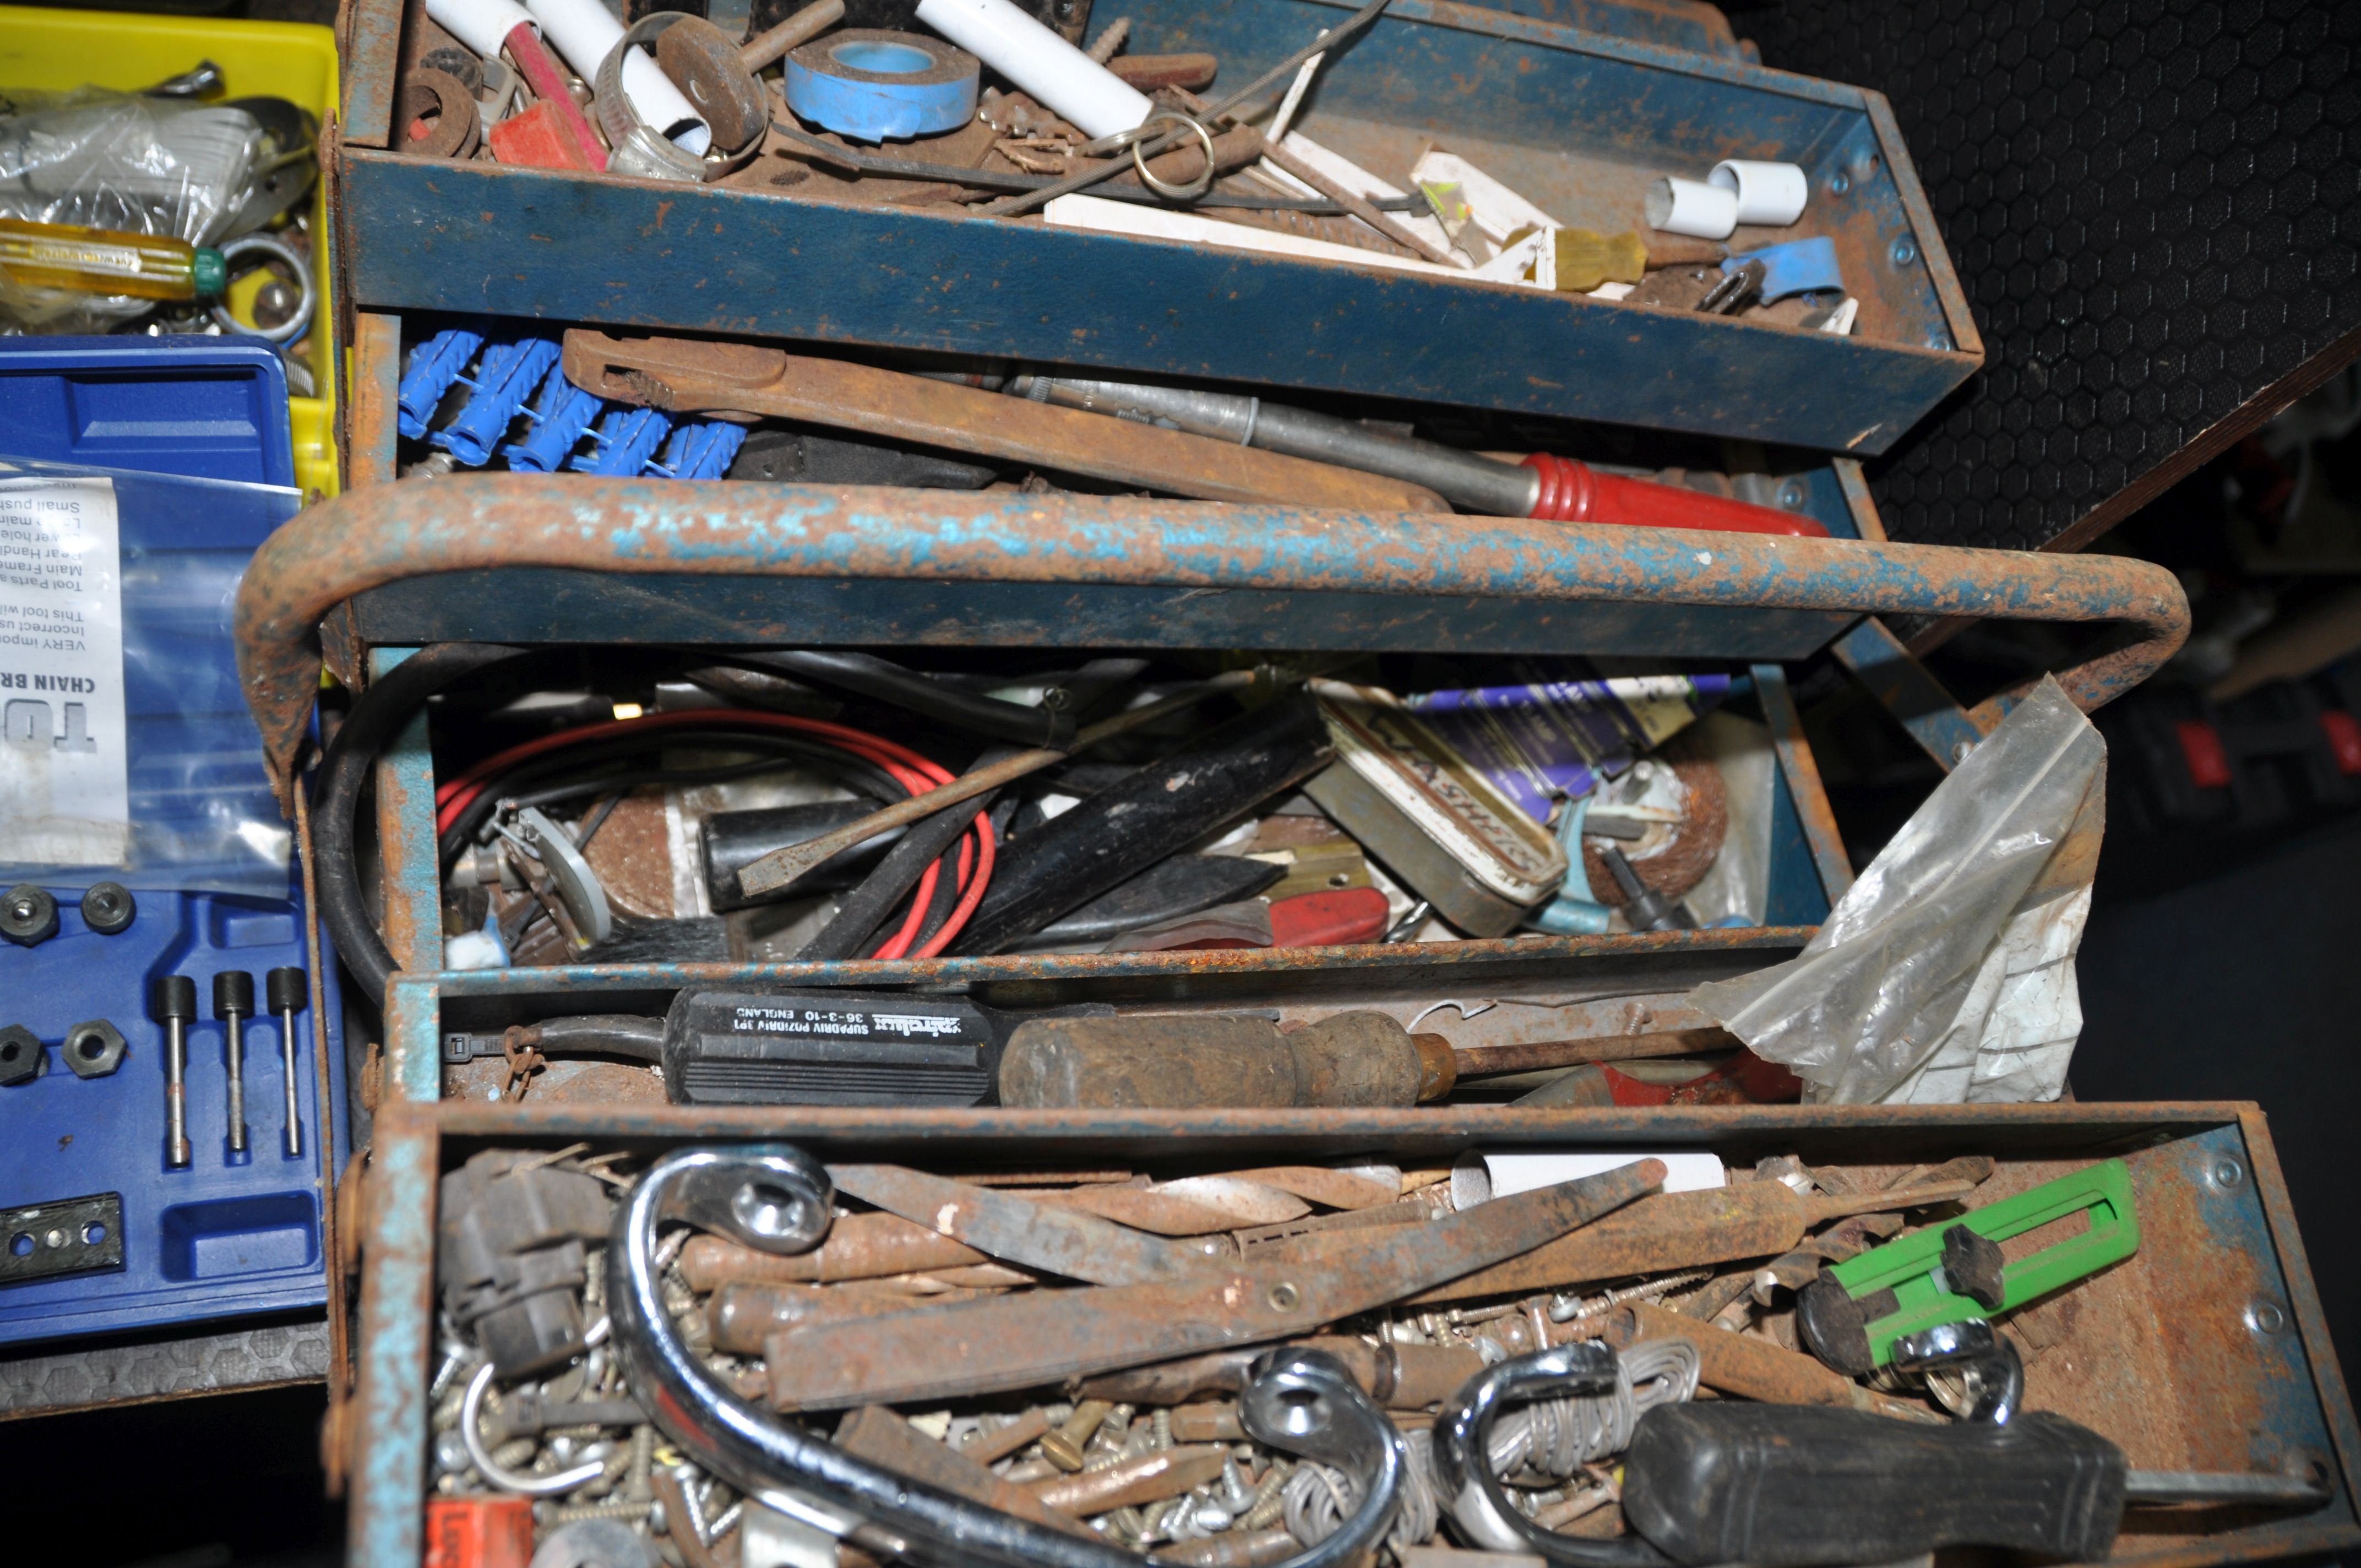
[[376, 384], [1803, 773], [472, 522]]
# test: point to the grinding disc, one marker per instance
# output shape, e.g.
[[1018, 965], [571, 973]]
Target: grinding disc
[[1675, 861]]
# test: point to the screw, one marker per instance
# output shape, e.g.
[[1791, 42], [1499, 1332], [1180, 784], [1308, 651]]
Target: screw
[[108, 908], [1063, 1447], [234, 1004], [2266, 1316], [28, 916], [2228, 1173], [1905, 251], [288, 992], [172, 1001]]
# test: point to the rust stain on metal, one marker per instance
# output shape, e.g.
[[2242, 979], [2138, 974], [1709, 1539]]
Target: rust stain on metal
[[481, 521], [1680, 1230], [859, 1246]]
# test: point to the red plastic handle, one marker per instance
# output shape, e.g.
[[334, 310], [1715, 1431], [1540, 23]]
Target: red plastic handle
[[1574, 492]]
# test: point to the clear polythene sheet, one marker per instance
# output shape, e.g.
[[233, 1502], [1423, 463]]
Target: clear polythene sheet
[[127, 751], [1945, 975]]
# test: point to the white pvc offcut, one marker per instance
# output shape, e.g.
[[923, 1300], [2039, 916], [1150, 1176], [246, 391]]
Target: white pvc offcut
[[1768, 193], [1072, 84], [482, 25], [584, 31], [1692, 207]]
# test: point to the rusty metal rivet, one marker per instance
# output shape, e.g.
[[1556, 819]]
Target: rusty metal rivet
[[2266, 1316], [1905, 251], [1284, 1297], [2228, 1173]]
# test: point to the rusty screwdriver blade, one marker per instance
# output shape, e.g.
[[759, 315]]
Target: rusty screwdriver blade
[[1681, 1230], [1019, 1231], [1531, 1055], [1039, 1337], [783, 867]]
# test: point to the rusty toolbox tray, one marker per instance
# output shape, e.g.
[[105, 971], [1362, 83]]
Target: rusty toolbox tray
[[1578, 121], [2206, 1350]]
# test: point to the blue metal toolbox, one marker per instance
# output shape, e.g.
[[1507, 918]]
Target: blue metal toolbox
[[1580, 122], [100, 1232]]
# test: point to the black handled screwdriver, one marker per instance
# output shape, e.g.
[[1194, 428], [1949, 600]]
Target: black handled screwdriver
[[1787, 1485]]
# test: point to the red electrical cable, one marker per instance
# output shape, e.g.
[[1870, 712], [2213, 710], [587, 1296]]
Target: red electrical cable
[[909, 769], [455, 796], [974, 893]]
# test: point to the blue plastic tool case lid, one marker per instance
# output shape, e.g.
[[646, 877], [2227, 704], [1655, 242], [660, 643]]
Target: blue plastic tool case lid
[[230, 1233]]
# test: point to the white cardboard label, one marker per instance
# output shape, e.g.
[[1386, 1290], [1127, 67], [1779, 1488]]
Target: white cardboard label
[[64, 768]]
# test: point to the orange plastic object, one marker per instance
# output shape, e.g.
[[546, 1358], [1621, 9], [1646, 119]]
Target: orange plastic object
[[478, 1532], [1328, 919], [537, 138]]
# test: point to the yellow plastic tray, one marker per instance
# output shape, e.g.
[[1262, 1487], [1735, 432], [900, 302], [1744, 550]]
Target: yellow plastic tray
[[57, 50]]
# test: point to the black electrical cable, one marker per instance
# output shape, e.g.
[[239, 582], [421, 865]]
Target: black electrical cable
[[848, 931], [870, 676], [587, 828], [862, 777], [380, 713]]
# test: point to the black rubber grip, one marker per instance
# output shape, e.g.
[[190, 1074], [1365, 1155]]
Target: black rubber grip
[[288, 990], [170, 997], [1783, 1486], [233, 993]]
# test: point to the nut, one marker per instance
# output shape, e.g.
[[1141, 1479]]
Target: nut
[[28, 916], [20, 1055], [108, 908], [93, 1049]]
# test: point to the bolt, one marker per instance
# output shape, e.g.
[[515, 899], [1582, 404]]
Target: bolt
[[1791, 494], [234, 1004], [2266, 1316], [1905, 251], [289, 993], [1839, 183], [28, 916], [172, 1001], [2228, 1173], [1960, 750]]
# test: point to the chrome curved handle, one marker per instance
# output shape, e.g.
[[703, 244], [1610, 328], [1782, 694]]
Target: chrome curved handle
[[1478, 1505], [776, 1198]]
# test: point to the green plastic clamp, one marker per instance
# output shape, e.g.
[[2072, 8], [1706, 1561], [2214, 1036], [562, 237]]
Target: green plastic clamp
[[1910, 1268]]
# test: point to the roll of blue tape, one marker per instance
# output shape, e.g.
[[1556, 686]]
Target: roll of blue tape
[[876, 85]]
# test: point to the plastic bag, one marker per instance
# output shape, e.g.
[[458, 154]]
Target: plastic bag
[[126, 749], [151, 166], [1945, 975]]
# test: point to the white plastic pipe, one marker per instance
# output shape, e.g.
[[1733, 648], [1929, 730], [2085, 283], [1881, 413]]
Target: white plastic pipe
[[1692, 207], [1072, 84], [482, 25], [585, 32], [1768, 193]]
